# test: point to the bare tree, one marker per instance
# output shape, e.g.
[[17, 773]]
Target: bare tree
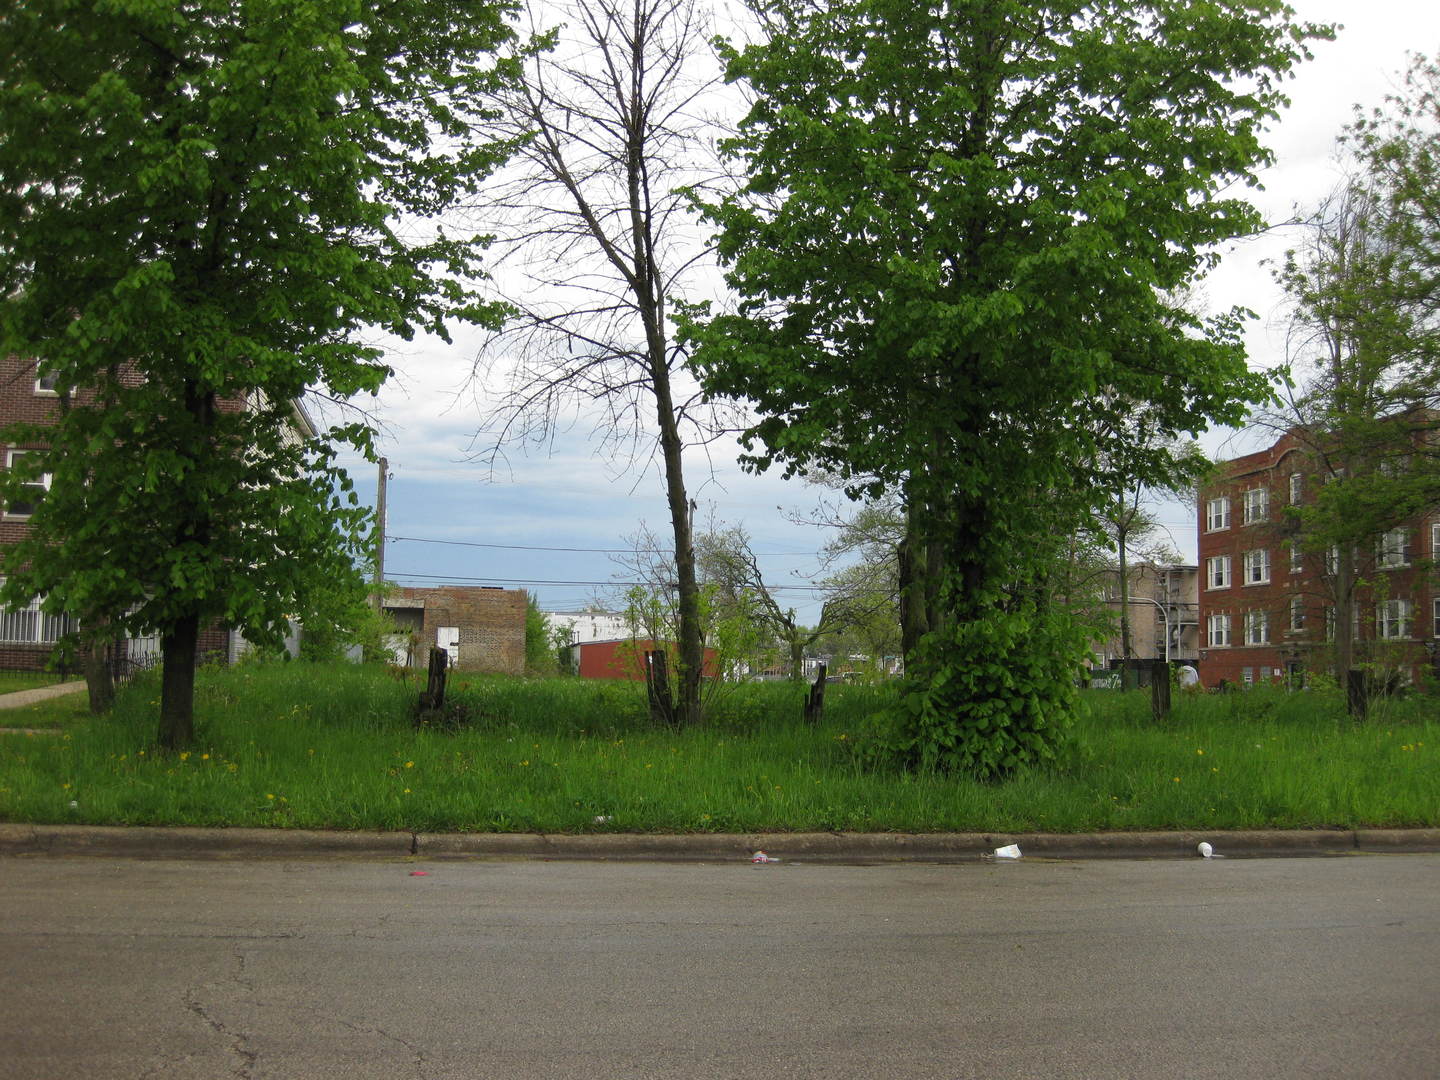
[[597, 246]]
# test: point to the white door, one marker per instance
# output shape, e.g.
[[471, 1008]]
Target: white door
[[448, 638]]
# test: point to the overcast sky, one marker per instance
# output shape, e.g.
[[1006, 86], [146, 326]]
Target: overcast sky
[[449, 520]]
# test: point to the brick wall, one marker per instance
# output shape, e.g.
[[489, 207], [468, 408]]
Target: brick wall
[[491, 624]]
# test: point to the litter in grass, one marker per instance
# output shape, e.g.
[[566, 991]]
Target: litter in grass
[[419, 873], [761, 857], [1207, 852], [603, 819], [1009, 851]]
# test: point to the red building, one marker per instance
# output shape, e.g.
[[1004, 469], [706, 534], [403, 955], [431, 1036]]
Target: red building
[[624, 658], [1267, 605]]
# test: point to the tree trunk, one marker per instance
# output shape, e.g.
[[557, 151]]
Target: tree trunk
[[1344, 596], [1125, 649], [692, 649], [98, 679], [178, 648], [797, 659]]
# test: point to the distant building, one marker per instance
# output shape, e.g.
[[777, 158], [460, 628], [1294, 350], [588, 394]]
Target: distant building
[[483, 629], [1164, 614], [1267, 606], [589, 625]]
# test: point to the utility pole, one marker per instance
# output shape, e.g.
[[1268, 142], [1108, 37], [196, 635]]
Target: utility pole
[[380, 532]]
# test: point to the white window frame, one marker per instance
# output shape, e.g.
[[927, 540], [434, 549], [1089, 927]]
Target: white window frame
[[1257, 567], [1217, 514], [29, 625], [1394, 549], [1392, 619], [43, 483], [1297, 488], [1257, 627], [1257, 505], [1297, 613], [1217, 631], [41, 389], [1435, 604], [1297, 558], [1217, 572], [1435, 542]]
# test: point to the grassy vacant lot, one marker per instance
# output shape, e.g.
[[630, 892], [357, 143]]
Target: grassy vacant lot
[[299, 745]]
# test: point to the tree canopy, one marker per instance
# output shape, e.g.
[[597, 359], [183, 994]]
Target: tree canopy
[[955, 252], [204, 208]]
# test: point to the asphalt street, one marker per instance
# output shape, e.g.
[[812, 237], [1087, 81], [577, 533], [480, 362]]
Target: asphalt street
[[401, 968]]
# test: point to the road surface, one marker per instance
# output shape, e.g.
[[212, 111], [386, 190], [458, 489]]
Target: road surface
[[1324, 967]]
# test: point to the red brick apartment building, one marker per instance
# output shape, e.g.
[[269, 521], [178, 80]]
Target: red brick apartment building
[[1266, 606]]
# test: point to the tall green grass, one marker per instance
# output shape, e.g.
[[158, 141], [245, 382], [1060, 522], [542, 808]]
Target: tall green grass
[[332, 746]]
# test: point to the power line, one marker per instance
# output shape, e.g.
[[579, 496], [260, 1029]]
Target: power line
[[586, 551], [604, 584]]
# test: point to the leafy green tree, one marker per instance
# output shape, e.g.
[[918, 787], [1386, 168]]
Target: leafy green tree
[[203, 209], [540, 647], [954, 252]]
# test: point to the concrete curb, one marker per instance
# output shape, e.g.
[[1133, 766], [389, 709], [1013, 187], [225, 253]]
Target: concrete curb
[[182, 843], [151, 842]]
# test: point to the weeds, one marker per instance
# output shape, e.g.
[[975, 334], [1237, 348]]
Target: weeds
[[332, 746]]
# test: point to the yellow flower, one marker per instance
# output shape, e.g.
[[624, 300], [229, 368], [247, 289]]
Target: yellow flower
[[269, 796], [65, 787], [1177, 779], [409, 764], [525, 762], [1198, 751], [185, 755], [406, 791], [204, 757]]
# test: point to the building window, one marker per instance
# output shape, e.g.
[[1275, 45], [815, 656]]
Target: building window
[[44, 382], [1247, 675], [1332, 559], [24, 507], [1297, 488], [1297, 613], [1437, 617], [1435, 542], [1217, 572], [31, 626], [1297, 558], [1257, 567], [1219, 630], [1394, 549], [1329, 624], [1217, 514], [1392, 619], [1257, 505], [1257, 627]]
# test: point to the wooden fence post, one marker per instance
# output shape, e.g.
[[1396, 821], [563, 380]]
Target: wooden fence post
[[1159, 689], [432, 698], [815, 700], [657, 688], [1356, 693]]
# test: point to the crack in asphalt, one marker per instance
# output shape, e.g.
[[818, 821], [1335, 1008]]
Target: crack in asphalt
[[237, 1040], [421, 1060]]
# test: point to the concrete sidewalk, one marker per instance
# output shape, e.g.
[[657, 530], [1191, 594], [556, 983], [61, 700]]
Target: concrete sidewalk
[[29, 697], [146, 842]]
